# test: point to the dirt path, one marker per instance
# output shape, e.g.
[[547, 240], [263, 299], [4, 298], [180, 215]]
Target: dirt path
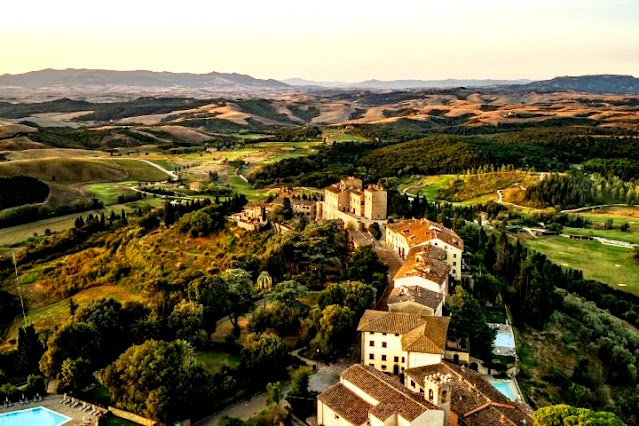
[[173, 175], [600, 206]]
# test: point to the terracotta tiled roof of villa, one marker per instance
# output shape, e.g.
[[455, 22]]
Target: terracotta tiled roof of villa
[[429, 337], [420, 231], [389, 322], [420, 334], [472, 398], [428, 262], [416, 294], [346, 404], [393, 397]]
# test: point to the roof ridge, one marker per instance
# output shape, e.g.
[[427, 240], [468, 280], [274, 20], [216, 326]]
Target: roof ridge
[[424, 404]]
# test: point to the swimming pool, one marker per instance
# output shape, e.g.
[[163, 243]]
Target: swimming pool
[[506, 387], [37, 416], [505, 339]]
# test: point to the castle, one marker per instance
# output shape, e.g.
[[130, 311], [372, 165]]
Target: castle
[[349, 202]]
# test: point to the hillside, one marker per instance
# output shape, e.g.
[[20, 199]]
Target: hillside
[[600, 84]]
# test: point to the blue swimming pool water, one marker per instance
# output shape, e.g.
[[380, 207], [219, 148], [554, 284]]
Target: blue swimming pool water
[[37, 416], [506, 388], [505, 339]]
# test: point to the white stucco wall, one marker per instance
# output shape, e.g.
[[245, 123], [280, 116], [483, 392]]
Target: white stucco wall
[[393, 349]]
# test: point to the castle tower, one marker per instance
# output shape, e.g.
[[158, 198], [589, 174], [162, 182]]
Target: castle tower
[[375, 203], [437, 391]]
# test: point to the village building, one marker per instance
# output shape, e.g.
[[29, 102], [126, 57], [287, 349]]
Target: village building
[[422, 280], [364, 396], [405, 235], [353, 204], [252, 216], [299, 206], [393, 341], [466, 398]]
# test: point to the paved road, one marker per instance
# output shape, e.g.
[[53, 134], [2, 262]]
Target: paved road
[[600, 206]]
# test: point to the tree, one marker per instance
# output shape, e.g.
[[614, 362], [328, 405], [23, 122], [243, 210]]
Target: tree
[[239, 284], [287, 291], [299, 382], [73, 306], [366, 266], [354, 294], [213, 294], [467, 320], [265, 353], [375, 231], [196, 224], [186, 322], [276, 315], [264, 283], [335, 325], [75, 374], [273, 393], [161, 380], [566, 415], [29, 352]]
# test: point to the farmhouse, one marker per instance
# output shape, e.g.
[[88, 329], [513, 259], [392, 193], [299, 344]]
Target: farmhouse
[[364, 396], [464, 396], [405, 235], [393, 342], [349, 202]]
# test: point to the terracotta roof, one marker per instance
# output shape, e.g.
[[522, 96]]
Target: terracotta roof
[[373, 188], [334, 188], [428, 262], [416, 294], [389, 322], [420, 231], [472, 397], [393, 398], [429, 337], [419, 333], [346, 404]]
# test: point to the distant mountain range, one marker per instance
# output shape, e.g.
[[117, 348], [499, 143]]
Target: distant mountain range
[[86, 77], [106, 85], [600, 84], [402, 84]]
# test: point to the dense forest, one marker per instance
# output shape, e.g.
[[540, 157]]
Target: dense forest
[[19, 190]]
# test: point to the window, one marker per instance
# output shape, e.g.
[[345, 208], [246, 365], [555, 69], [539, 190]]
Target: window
[[336, 416], [454, 263], [396, 359], [383, 367], [372, 332], [371, 356], [403, 359], [383, 344], [372, 365], [443, 396], [412, 383], [430, 394], [396, 335], [383, 357], [371, 343], [454, 255], [383, 334]]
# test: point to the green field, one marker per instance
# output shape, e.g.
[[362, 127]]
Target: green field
[[214, 359], [425, 186], [108, 192], [339, 136], [631, 236], [139, 170], [608, 264], [166, 164]]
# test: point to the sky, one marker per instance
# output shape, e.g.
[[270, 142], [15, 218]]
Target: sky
[[346, 40]]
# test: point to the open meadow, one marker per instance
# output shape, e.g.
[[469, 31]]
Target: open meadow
[[608, 264]]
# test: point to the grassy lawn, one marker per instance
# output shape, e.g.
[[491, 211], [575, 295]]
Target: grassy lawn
[[338, 136], [139, 170], [243, 187], [214, 360], [108, 192], [57, 313], [428, 186], [608, 264], [166, 164]]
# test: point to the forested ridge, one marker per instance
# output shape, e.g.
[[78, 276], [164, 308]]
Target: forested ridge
[[19, 190]]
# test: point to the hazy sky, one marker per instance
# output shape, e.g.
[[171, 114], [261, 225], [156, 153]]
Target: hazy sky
[[327, 39]]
